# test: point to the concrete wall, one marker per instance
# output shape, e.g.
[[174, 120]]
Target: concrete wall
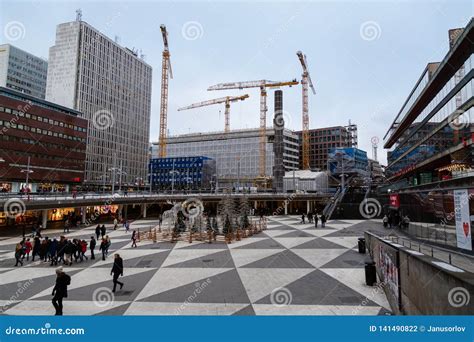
[[427, 286]]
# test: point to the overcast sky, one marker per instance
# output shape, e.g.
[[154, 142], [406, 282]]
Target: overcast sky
[[364, 56]]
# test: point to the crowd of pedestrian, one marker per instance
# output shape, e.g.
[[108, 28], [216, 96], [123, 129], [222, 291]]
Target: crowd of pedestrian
[[314, 217]]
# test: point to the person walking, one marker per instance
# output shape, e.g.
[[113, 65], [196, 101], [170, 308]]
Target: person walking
[[102, 230], [385, 221], [117, 271], [60, 290], [36, 248], [68, 251], [127, 226], [134, 239], [323, 220], [19, 252], [310, 217], [316, 218], [115, 223], [28, 248], [97, 231], [303, 218], [103, 248], [92, 245], [83, 245], [53, 250]]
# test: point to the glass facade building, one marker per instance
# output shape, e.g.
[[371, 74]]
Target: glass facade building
[[22, 71]]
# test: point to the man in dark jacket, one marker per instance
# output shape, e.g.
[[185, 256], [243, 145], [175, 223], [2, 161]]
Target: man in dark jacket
[[60, 290], [97, 231], [117, 270], [92, 247], [102, 230]]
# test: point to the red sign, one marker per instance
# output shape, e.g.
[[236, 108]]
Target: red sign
[[395, 200]]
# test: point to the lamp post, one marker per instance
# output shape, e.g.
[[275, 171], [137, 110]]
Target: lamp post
[[27, 171]]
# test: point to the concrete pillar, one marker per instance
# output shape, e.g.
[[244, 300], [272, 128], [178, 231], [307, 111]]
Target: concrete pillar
[[45, 218], [125, 209], [286, 207], [84, 211], [308, 206], [255, 204], [144, 210]]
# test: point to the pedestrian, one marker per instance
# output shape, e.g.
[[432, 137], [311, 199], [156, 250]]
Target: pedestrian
[[108, 242], [303, 218], [115, 223], [316, 218], [92, 247], [406, 222], [61, 246], [103, 248], [160, 220], [385, 221], [310, 217], [83, 250], [60, 290], [102, 230], [117, 270], [19, 252], [97, 231], [28, 248], [323, 220], [68, 251], [67, 223], [134, 238], [127, 226], [390, 220], [53, 250]]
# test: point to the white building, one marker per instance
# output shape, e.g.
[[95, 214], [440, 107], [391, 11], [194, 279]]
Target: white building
[[111, 86], [305, 180], [237, 153], [22, 71]]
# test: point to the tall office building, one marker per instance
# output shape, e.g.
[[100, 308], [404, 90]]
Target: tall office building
[[22, 71], [111, 86]]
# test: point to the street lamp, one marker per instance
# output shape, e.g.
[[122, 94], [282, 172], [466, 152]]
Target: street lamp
[[27, 171]]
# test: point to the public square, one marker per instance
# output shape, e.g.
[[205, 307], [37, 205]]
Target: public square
[[288, 269]]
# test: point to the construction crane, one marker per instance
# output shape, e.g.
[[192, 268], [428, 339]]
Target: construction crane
[[263, 85], [227, 100], [305, 82], [166, 73]]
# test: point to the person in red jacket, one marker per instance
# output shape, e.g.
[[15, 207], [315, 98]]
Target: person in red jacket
[[28, 248]]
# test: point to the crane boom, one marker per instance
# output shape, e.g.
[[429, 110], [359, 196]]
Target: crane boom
[[166, 73], [263, 85], [227, 100], [305, 82]]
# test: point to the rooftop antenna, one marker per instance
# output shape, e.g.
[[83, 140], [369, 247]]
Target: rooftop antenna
[[78, 14]]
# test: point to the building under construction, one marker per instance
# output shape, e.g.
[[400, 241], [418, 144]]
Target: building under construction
[[236, 153]]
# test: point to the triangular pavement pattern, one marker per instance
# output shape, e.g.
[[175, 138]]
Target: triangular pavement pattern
[[318, 259], [190, 309], [291, 242], [319, 243], [243, 257], [154, 260], [268, 243], [178, 256], [347, 241], [350, 259], [283, 259], [71, 308], [261, 282], [169, 278], [299, 233], [219, 259]]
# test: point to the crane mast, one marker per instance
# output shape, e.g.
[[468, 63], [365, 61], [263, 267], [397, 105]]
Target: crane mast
[[305, 84], [166, 73]]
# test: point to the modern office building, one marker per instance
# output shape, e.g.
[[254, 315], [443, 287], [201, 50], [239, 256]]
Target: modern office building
[[376, 172], [323, 139], [22, 71], [42, 141], [236, 153], [430, 140], [179, 173], [111, 86], [348, 161]]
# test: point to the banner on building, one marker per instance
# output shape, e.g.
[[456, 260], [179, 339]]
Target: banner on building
[[395, 201], [463, 220]]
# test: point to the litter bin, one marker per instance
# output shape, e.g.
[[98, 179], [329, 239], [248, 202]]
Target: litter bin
[[361, 244], [370, 273]]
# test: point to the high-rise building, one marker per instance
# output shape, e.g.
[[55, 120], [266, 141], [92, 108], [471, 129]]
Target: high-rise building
[[22, 71], [322, 140], [111, 86]]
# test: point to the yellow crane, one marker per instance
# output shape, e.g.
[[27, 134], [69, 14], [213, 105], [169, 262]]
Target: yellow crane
[[263, 85], [227, 100], [166, 73], [305, 82]]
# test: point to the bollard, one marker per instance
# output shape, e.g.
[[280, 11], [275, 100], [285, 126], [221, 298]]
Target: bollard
[[361, 245], [370, 273]]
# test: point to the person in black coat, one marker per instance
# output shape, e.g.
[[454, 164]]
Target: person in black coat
[[60, 290], [117, 270], [92, 247], [323, 220], [97, 231], [102, 230]]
